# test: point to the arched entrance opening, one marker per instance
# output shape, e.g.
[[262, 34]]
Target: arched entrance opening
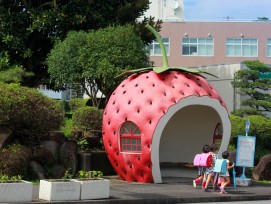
[[183, 137], [183, 131]]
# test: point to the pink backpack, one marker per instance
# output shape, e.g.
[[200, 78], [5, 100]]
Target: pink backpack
[[203, 160]]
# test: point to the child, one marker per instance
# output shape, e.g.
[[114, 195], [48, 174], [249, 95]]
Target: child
[[210, 170], [202, 170], [225, 177]]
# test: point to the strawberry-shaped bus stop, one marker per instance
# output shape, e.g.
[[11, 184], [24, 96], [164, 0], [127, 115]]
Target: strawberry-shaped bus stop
[[161, 115]]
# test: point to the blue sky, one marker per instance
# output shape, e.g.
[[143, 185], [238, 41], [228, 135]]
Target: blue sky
[[219, 9]]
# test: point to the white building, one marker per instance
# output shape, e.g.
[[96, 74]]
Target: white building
[[166, 10]]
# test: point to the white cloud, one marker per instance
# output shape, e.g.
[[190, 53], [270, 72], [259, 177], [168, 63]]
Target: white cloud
[[217, 9]]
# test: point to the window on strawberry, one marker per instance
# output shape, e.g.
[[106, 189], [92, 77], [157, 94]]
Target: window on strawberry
[[130, 137]]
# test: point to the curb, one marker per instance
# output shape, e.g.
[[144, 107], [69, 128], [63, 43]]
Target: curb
[[209, 199]]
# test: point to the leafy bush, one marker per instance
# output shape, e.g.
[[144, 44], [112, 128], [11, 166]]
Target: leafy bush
[[63, 105], [77, 103], [96, 174], [83, 174], [238, 128], [82, 144], [68, 128], [28, 112], [14, 160], [88, 118], [68, 175], [9, 179], [261, 128]]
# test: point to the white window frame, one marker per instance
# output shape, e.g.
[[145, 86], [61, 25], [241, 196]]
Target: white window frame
[[241, 45], [155, 43], [198, 42], [130, 138], [268, 47]]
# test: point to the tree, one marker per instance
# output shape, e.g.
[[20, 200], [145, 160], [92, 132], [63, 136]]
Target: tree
[[11, 73], [29, 28], [262, 19], [93, 58], [249, 84]]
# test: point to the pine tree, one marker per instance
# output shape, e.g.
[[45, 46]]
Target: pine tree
[[255, 88]]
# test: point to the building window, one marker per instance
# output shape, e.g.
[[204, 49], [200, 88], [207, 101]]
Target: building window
[[198, 46], [269, 47], [242, 47], [130, 137], [218, 133], [155, 49]]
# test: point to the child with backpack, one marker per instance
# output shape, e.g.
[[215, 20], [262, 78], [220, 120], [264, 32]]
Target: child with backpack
[[202, 169], [211, 175], [225, 177]]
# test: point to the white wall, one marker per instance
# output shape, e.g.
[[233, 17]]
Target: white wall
[[186, 133], [223, 83]]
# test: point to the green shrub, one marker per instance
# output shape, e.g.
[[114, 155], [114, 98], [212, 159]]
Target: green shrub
[[77, 103], [261, 128], [238, 128], [88, 118], [83, 174], [68, 128], [68, 175], [28, 113], [9, 179], [63, 105], [14, 160], [96, 174]]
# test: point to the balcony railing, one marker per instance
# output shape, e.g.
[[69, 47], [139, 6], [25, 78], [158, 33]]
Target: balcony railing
[[60, 95]]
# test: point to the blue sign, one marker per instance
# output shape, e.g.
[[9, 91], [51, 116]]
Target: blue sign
[[245, 151]]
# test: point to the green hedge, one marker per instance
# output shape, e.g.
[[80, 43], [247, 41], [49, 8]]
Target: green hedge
[[14, 160], [77, 103], [28, 112], [238, 128], [88, 118]]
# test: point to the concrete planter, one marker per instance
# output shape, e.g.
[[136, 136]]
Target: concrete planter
[[94, 188], [20, 191], [59, 190]]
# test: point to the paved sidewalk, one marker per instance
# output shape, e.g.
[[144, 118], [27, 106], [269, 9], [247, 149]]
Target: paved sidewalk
[[173, 190]]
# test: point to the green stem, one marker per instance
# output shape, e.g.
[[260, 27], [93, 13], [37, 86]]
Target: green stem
[[164, 54]]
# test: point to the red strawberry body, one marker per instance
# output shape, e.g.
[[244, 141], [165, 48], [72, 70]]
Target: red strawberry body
[[144, 99]]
